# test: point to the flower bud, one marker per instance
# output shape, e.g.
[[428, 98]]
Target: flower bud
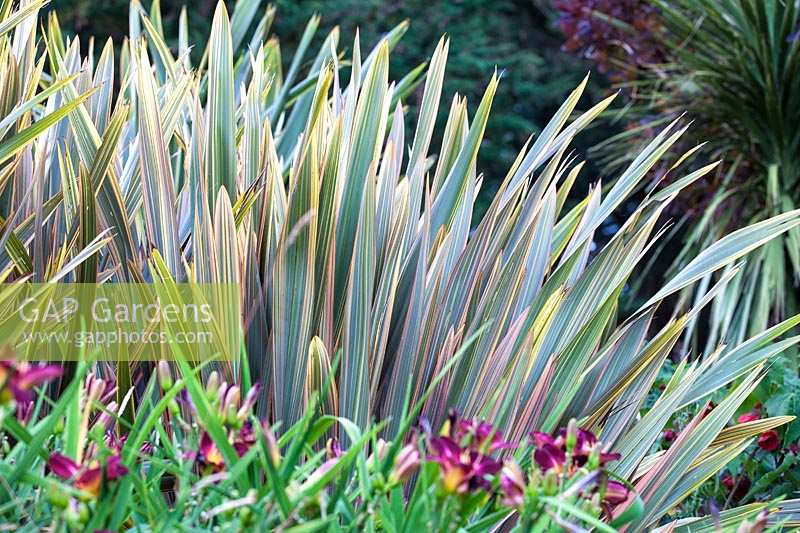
[[273, 450], [218, 398], [77, 514], [332, 448], [381, 447], [231, 405], [105, 419], [405, 464], [249, 402], [550, 483], [164, 375], [512, 484], [245, 515], [572, 435], [57, 496], [593, 462], [95, 390], [212, 385]]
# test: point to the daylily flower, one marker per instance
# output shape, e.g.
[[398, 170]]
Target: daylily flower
[[18, 379], [614, 493], [463, 469], [549, 457], [114, 468], [209, 456], [115, 443], [88, 478], [244, 439], [769, 441], [551, 452], [462, 449]]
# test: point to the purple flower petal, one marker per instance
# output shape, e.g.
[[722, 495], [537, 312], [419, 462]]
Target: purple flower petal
[[62, 466], [37, 375], [114, 468], [549, 457], [540, 439], [608, 457], [90, 481], [210, 454]]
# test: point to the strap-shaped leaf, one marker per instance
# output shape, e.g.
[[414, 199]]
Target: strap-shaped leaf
[[221, 129]]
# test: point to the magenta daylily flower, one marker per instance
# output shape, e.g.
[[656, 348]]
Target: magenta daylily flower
[[614, 494], [549, 457], [463, 469], [463, 450], [209, 455], [210, 458], [18, 379], [62, 466], [234, 412], [86, 478], [574, 451], [551, 452], [244, 439], [114, 468]]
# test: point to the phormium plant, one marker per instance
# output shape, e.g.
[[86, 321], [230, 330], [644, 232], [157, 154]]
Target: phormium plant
[[373, 311]]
